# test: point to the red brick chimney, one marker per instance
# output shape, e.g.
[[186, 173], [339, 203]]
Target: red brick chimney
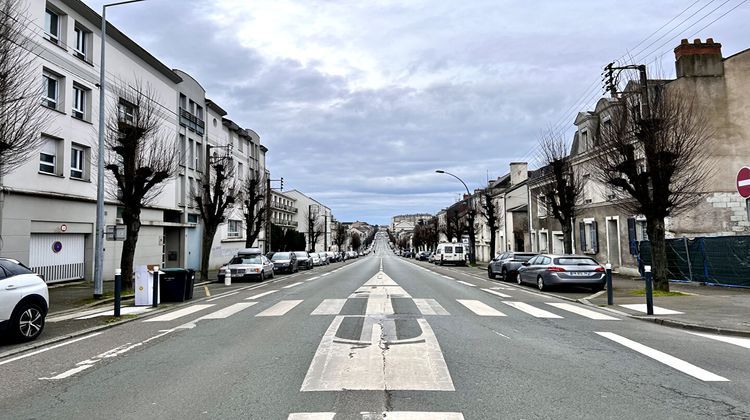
[[698, 58]]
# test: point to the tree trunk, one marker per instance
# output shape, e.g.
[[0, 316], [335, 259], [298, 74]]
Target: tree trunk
[[472, 247], [568, 237], [656, 236], [206, 242], [132, 220], [493, 235], [249, 222]]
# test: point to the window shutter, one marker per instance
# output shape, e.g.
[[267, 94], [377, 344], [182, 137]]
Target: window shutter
[[631, 236], [582, 236], [594, 237]]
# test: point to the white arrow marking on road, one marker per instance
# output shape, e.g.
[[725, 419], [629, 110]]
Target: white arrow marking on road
[[280, 308], [588, 313], [260, 295], [531, 310], [480, 308], [665, 358]]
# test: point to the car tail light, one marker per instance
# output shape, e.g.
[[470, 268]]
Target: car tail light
[[599, 269], [555, 269]]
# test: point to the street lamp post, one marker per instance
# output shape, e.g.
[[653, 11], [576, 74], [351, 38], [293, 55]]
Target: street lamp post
[[472, 256], [99, 254]]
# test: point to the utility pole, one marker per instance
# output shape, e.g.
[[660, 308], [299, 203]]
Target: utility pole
[[325, 231], [268, 214]]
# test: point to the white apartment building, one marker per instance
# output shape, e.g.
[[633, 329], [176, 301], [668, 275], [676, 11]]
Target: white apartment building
[[284, 210], [320, 213]]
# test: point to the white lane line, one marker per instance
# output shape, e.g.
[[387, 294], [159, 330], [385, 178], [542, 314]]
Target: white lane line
[[447, 277], [222, 296], [313, 278], [34, 353], [329, 307], [325, 274], [292, 285], [480, 308], [641, 307], [280, 308], [665, 358], [311, 416], [430, 307], [588, 313], [466, 283], [179, 313], [228, 311], [496, 293], [260, 295], [531, 310], [737, 341], [68, 373], [416, 415]]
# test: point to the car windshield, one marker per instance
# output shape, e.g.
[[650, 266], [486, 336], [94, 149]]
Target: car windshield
[[575, 261], [280, 256], [523, 257], [253, 259]]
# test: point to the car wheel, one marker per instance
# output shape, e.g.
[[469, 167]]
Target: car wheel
[[519, 280], [262, 276], [540, 282], [490, 274], [504, 274], [27, 321]]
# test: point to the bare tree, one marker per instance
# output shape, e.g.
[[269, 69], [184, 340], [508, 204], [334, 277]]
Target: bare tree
[[140, 154], [215, 197], [339, 236], [314, 227], [22, 117], [488, 210], [657, 163], [454, 223], [561, 188], [253, 193]]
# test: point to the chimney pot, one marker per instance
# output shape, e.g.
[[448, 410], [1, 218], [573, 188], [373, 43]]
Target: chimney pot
[[684, 41], [697, 41]]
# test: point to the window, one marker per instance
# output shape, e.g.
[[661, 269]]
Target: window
[[126, 111], [198, 156], [183, 101], [80, 102], [241, 171], [50, 90], [81, 47], [542, 206], [240, 144], [182, 150], [235, 229], [77, 162], [48, 156], [191, 153], [199, 112], [52, 26]]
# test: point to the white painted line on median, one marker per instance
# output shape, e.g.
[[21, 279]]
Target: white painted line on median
[[222, 296], [531, 310], [260, 295], [179, 313], [34, 353], [480, 308], [228, 311], [737, 341], [665, 358], [329, 307], [311, 416], [292, 285], [496, 293], [588, 313], [416, 415], [430, 307], [466, 283], [641, 307], [68, 373], [280, 308]]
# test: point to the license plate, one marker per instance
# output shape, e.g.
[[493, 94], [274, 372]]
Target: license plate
[[579, 274]]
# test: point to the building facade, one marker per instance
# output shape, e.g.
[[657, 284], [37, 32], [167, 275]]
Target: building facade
[[309, 209]]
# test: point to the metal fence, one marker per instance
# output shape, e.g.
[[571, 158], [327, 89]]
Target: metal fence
[[721, 260]]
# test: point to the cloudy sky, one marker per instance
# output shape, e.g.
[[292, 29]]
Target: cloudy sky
[[360, 101]]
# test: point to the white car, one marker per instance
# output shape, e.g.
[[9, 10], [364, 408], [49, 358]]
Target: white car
[[24, 301]]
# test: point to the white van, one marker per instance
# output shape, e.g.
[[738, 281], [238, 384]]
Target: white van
[[450, 253]]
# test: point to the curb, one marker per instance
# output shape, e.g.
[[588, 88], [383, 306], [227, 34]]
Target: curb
[[91, 305]]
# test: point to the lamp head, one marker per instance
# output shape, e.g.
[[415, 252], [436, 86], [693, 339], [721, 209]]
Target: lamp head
[[440, 171]]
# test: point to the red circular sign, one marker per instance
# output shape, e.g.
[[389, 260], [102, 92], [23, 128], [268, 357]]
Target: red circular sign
[[743, 182]]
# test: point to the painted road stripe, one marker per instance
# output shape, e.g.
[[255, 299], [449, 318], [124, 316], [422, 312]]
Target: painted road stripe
[[260, 295], [222, 296], [179, 313], [588, 313], [665, 358], [313, 278], [329, 307], [69, 373], [480, 308], [311, 416], [737, 341], [531, 310], [75, 315], [641, 307], [496, 293], [430, 307], [448, 277], [292, 285], [416, 415], [466, 283], [325, 274], [126, 310], [228, 311], [34, 353], [280, 308]]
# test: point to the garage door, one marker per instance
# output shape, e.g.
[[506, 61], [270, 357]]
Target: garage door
[[57, 257]]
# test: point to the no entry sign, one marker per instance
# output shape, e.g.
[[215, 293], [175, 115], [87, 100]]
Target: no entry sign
[[743, 182]]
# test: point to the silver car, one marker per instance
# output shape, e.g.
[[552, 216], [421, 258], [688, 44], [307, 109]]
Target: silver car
[[249, 267], [547, 270]]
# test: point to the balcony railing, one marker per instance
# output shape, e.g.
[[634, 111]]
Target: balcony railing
[[283, 207], [191, 121], [286, 223]]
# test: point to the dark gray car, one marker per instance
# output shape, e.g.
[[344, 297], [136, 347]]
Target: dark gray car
[[507, 265], [546, 270]]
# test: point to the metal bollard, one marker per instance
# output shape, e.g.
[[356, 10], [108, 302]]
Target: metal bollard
[[608, 276], [118, 291], [228, 278], [649, 290], [155, 303]]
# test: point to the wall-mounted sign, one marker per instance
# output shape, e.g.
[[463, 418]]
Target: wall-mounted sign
[[743, 182], [56, 246], [63, 227], [115, 233]]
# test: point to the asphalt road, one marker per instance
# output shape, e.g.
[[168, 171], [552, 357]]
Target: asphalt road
[[382, 337]]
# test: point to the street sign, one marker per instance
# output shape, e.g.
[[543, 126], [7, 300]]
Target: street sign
[[743, 182], [115, 233]]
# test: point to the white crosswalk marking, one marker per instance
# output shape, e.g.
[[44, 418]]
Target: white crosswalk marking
[[480, 308], [292, 285], [466, 283], [228, 311], [260, 295], [641, 307], [179, 313], [531, 310], [430, 307], [496, 293], [665, 358], [329, 307], [737, 341], [588, 313], [281, 308]]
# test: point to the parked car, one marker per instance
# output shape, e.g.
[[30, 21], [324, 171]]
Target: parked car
[[332, 256], [316, 259], [422, 256], [547, 270], [304, 260], [249, 267], [24, 301], [507, 265], [450, 253], [431, 258], [324, 258], [284, 262]]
